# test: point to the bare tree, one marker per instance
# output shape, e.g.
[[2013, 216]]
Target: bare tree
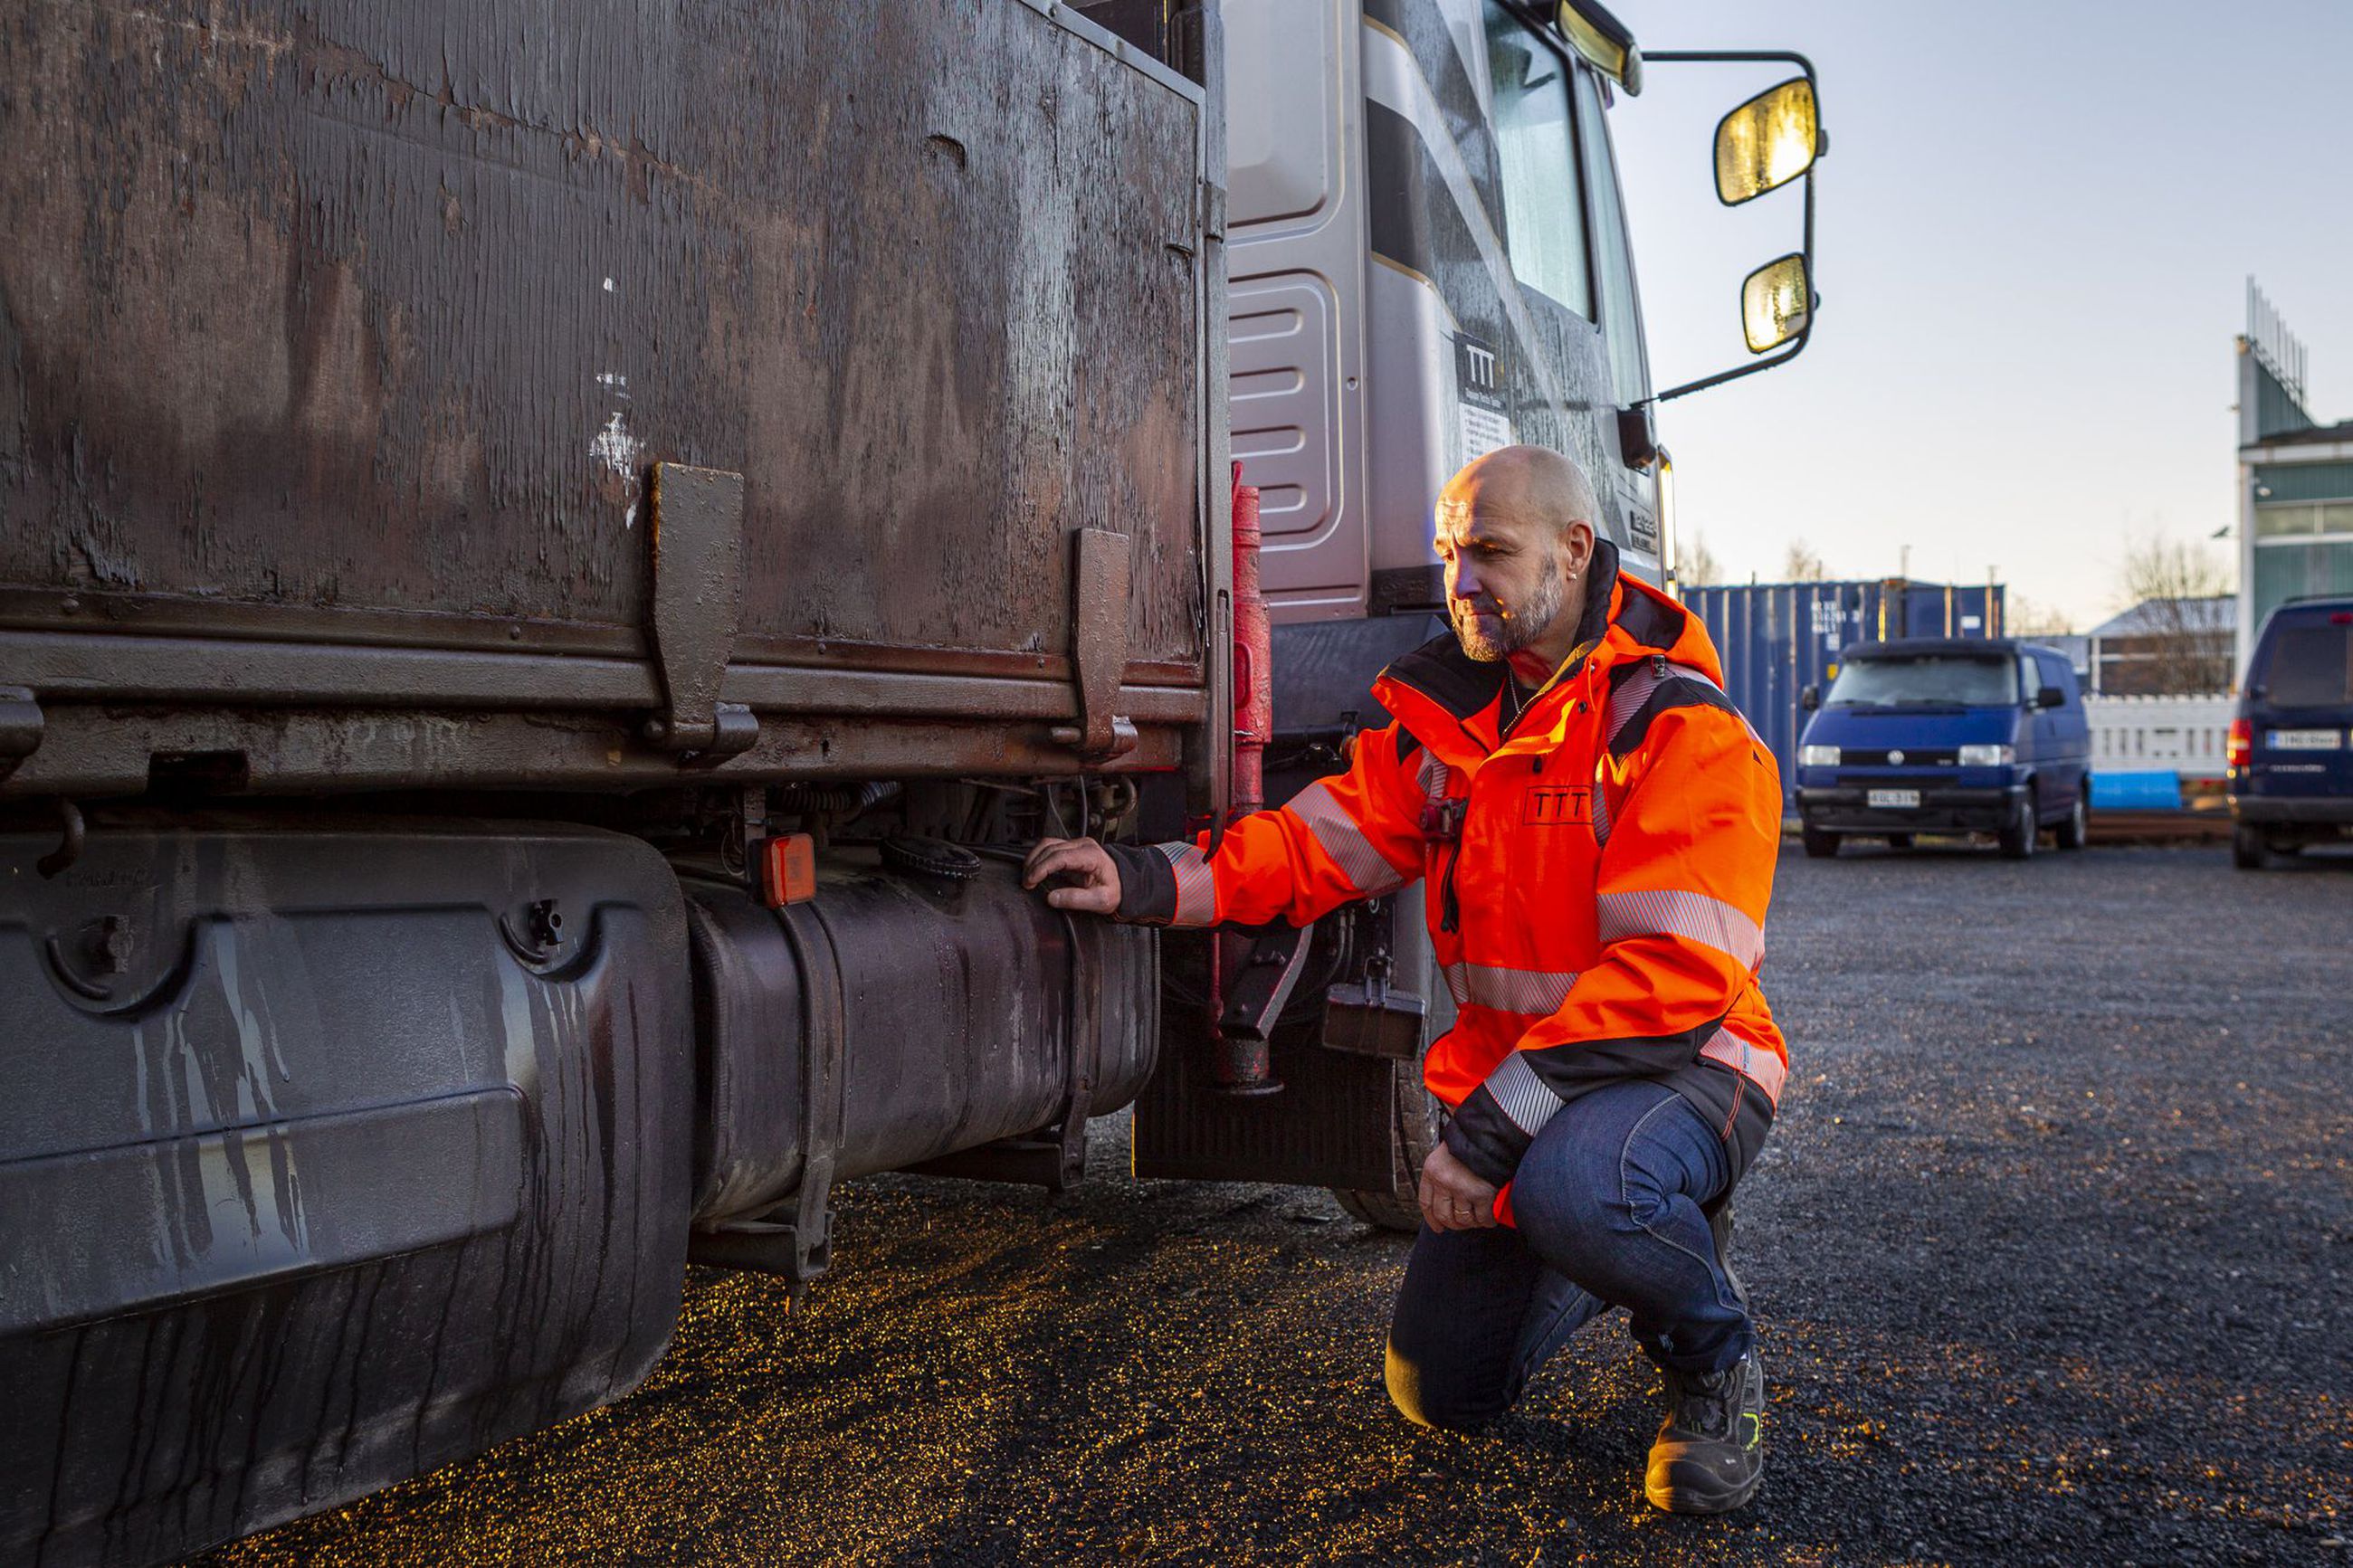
[[2181, 644], [1801, 564], [1695, 565], [2028, 617]]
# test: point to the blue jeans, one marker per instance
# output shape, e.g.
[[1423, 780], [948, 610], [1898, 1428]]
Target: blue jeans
[[1609, 1201]]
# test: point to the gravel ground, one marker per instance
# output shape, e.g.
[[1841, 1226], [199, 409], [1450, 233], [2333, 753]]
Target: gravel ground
[[2049, 1250]]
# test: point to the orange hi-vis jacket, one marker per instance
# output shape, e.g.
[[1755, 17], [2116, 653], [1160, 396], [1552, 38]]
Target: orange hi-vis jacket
[[1595, 874]]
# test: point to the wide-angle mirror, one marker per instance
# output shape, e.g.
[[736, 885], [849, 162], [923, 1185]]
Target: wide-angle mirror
[[1776, 303]]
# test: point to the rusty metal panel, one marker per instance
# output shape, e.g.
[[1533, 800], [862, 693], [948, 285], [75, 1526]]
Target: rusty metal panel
[[308, 309]]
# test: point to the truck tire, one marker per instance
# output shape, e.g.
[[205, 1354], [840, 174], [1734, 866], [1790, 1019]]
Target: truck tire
[[2077, 831], [2025, 825], [1384, 1210], [1416, 1111], [2247, 852], [1820, 843]]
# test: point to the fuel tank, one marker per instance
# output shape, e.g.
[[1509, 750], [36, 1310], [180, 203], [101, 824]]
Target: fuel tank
[[921, 1005]]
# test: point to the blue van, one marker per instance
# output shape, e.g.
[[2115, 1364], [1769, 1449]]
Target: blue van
[[2291, 750], [1940, 735]]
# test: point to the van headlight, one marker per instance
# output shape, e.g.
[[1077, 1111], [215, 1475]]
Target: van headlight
[[1988, 756], [1817, 756]]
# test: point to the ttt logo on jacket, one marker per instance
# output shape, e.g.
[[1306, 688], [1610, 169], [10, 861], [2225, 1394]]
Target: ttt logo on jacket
[[1550, 806]]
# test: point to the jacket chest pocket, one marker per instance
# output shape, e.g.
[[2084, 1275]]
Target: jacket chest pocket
[[1529, 844]]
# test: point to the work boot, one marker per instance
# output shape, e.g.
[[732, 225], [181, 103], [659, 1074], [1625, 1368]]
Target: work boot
[[1710, 1452]]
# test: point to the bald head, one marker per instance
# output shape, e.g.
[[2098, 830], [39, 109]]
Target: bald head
[[1535, 484], [1516, 531]]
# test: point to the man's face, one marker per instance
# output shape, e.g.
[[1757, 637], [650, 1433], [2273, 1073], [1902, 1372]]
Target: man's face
[[1505, 577]]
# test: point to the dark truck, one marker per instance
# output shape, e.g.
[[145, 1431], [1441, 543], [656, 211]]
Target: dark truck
[[555, 559]]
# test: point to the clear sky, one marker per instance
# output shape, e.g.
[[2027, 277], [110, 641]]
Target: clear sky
[[2033, 232]]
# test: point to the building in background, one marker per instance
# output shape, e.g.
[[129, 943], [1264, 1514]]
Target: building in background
[[2158, 700], [2295, 480], [2164, 647]]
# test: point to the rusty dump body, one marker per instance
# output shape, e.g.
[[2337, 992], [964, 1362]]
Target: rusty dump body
[[340, 344], [475, 478]]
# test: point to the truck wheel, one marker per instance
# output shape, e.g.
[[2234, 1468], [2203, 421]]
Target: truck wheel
[[2077, 831], [2024, 827], [1386, 1210], [1819, 842], [2247, 850], [1416, 1113]]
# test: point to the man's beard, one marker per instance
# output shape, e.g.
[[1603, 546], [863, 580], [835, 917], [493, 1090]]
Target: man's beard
[[1493, 639]]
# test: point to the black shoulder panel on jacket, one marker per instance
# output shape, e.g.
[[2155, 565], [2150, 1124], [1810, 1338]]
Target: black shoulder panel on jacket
[[1650, 623], [1675, 691]]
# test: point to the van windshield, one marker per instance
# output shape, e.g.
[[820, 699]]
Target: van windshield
[[1954, 681], [2312, 667]]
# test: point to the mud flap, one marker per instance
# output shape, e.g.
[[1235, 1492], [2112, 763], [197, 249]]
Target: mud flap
[[1351, 1118], [326, 1158]]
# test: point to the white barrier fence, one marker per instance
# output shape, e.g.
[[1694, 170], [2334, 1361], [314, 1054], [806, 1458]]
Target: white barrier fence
[[2148, 733]]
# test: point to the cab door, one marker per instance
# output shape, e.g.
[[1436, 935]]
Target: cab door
[[2070, 730], [1632, 479]]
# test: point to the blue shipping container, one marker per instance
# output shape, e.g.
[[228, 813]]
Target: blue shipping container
[[1778, 638]]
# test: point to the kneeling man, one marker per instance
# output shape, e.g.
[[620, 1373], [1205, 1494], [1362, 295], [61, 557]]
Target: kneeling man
[[1595, 826]]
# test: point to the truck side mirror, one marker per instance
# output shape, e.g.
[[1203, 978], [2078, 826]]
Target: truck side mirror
[[1771, 141], [1766, 142], [1777, 300], [2050, 697], [1810, 698]]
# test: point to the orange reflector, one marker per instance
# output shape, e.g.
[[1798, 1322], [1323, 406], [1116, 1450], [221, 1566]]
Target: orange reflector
[[788, 871]]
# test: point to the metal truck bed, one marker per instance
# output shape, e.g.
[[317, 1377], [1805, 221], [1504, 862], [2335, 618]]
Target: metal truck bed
[[339, 346]]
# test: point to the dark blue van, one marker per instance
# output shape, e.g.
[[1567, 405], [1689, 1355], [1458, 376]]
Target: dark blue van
[[1940, 735], [2291, 750]]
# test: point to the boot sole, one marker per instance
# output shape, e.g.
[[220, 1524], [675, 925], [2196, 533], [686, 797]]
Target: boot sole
[[1691, 1499]]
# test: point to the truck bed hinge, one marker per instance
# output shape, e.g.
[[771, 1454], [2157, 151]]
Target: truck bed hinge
[[697, 533], [1100, 573]]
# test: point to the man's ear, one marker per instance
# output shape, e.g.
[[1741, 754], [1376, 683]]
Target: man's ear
[[1577, 547]]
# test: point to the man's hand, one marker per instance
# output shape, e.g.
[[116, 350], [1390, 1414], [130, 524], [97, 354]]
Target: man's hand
[[1451, 1197], [1090, 878]]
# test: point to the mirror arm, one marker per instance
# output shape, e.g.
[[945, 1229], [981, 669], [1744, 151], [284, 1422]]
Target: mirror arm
[[1798, 344]]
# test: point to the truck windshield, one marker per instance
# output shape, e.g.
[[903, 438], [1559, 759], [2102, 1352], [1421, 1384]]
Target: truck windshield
[[1963, 681]]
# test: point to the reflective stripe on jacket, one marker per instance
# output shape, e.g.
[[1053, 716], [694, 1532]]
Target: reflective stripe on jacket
[[1595, 876]]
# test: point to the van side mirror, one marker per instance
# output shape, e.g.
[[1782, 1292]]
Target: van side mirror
[[2050, 697], [1810, 698]]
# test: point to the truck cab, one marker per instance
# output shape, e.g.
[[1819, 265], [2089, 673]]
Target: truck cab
[[1428, 259]]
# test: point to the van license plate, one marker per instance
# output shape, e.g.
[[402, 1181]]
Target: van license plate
[[2305, 739], [1895, 799]]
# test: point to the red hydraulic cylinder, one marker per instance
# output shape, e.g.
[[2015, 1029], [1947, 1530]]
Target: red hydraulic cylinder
[[1240, 1060], [1254, 657]]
